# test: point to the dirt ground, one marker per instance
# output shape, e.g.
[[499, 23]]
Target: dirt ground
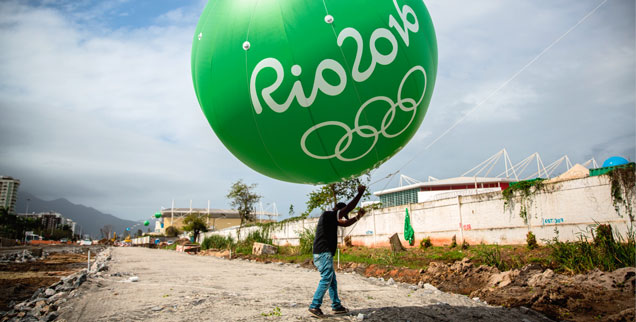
[[179, 287], [18, 281], [606, 296]]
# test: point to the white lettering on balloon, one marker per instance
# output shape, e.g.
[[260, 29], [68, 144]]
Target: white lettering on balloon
[[321, 85]]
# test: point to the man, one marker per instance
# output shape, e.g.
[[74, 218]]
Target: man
[[325, 245]]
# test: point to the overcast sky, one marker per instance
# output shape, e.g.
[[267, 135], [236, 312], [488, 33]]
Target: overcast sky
[[97, 104]]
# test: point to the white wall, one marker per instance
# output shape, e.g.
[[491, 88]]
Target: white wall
[[572, 207]]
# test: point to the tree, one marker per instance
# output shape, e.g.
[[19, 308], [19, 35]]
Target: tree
[[171, 231], [291, 211], [327, 196], [243, 199], [194, 223], [105, 231]]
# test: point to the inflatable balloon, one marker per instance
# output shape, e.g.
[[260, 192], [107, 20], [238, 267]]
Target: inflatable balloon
[[146, 223], [314, 91], [127, 228], [157, 215], [614, 161]]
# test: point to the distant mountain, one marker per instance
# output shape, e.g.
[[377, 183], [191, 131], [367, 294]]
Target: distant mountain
[[89, 218]]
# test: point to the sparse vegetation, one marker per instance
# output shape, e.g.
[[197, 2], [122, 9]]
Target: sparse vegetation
[[607, 251]]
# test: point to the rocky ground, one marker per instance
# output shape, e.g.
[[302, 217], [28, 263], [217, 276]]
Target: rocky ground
[[26, 274], [157, 285], [604, 296], [133, 284]]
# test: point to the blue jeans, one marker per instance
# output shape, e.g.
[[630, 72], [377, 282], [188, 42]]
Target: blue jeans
[[324, 263]]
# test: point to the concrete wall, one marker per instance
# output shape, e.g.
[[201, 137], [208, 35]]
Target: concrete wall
[[571, 207]]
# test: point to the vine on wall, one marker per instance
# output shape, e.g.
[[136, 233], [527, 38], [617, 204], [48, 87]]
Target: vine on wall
[[523, 191], [623, 189]]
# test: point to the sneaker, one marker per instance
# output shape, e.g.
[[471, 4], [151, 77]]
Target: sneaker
[[317, 313], [340, 310]]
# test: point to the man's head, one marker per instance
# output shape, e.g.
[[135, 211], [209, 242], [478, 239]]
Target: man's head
[[340, 206]]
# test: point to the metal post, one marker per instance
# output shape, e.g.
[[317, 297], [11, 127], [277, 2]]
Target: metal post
[[88, 264]]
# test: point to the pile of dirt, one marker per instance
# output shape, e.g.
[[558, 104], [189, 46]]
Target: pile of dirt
[[608, 296]]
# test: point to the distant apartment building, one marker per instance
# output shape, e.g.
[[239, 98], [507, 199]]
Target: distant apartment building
[[51, 220], [8, 193]]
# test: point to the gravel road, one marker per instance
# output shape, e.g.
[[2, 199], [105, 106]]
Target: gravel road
[[178, 287]]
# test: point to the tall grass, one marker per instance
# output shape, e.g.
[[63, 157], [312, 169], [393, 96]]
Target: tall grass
[[606, 251], [307, 241], [491, 256], [217, 242]]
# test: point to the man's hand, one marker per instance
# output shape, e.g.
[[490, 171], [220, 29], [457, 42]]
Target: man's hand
[[361, 188]]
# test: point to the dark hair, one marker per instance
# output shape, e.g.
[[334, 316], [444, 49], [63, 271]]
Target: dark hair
[[340, 205]]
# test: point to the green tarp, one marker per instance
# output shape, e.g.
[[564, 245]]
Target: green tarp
[[408, 230]]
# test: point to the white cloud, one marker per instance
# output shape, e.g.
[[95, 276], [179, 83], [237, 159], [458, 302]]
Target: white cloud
[[107, 116]]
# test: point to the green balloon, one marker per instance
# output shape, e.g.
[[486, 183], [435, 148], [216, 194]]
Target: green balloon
[[314, 91], [157, 215], [146, 223]]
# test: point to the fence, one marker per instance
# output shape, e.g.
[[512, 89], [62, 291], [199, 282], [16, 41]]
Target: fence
[[566, 208]]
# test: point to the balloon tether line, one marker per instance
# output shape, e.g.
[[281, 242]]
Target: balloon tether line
[[504, 84]]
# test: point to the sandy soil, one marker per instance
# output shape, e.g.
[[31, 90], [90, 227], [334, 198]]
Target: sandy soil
[[178, 287]]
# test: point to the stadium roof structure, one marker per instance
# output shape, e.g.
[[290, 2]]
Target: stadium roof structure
[[469, 182]]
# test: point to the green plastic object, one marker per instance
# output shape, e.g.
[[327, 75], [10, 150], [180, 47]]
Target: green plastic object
[[313, 91], [157, 215], [409, 234], [146, 223]]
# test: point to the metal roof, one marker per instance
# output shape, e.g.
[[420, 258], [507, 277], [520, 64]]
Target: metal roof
[[214, 213], [446, 182]]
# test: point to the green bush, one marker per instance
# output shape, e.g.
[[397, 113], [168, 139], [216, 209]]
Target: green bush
[[307, 241], [531, 240], [216, 242], [426, 242]]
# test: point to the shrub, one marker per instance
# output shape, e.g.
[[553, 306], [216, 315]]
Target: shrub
[[465, 244], [426, 243], [172, 232], [216, 242], [453, 242], [258, 236], [307, 241], [531, 240]]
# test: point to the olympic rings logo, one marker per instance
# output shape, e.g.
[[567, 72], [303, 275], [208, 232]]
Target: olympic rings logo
[[406, 105]]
